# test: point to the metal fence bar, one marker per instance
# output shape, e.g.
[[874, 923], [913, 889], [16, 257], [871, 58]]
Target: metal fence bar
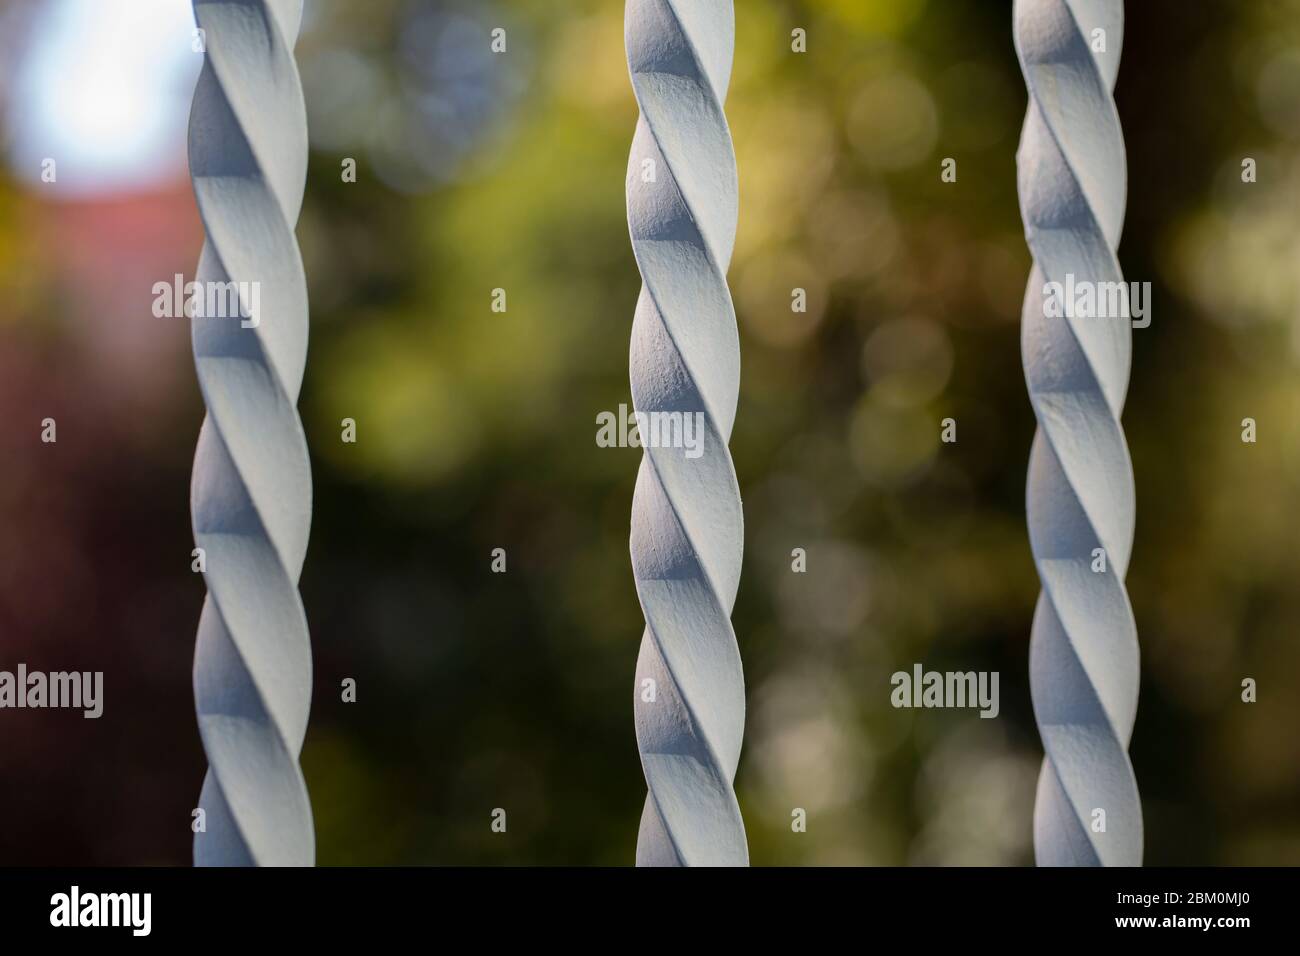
[[251, 491], [1080, 493], [687, 526]]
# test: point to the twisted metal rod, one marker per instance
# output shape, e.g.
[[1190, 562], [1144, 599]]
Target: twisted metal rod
[[1080, 493], [251, 487], [687, 528]]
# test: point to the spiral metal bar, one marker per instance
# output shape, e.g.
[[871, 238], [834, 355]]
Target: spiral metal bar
[[1080, 493], [687, 528], [251, 489]]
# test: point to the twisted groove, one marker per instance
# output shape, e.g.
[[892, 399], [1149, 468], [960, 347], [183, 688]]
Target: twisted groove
[[687, 531], [251, 487], [1080, 492]]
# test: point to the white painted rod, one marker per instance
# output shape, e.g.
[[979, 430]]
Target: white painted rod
[[1080, 498], [251, 490], [687, 527]]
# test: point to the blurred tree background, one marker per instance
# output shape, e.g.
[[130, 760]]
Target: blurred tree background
[[476, 431]]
